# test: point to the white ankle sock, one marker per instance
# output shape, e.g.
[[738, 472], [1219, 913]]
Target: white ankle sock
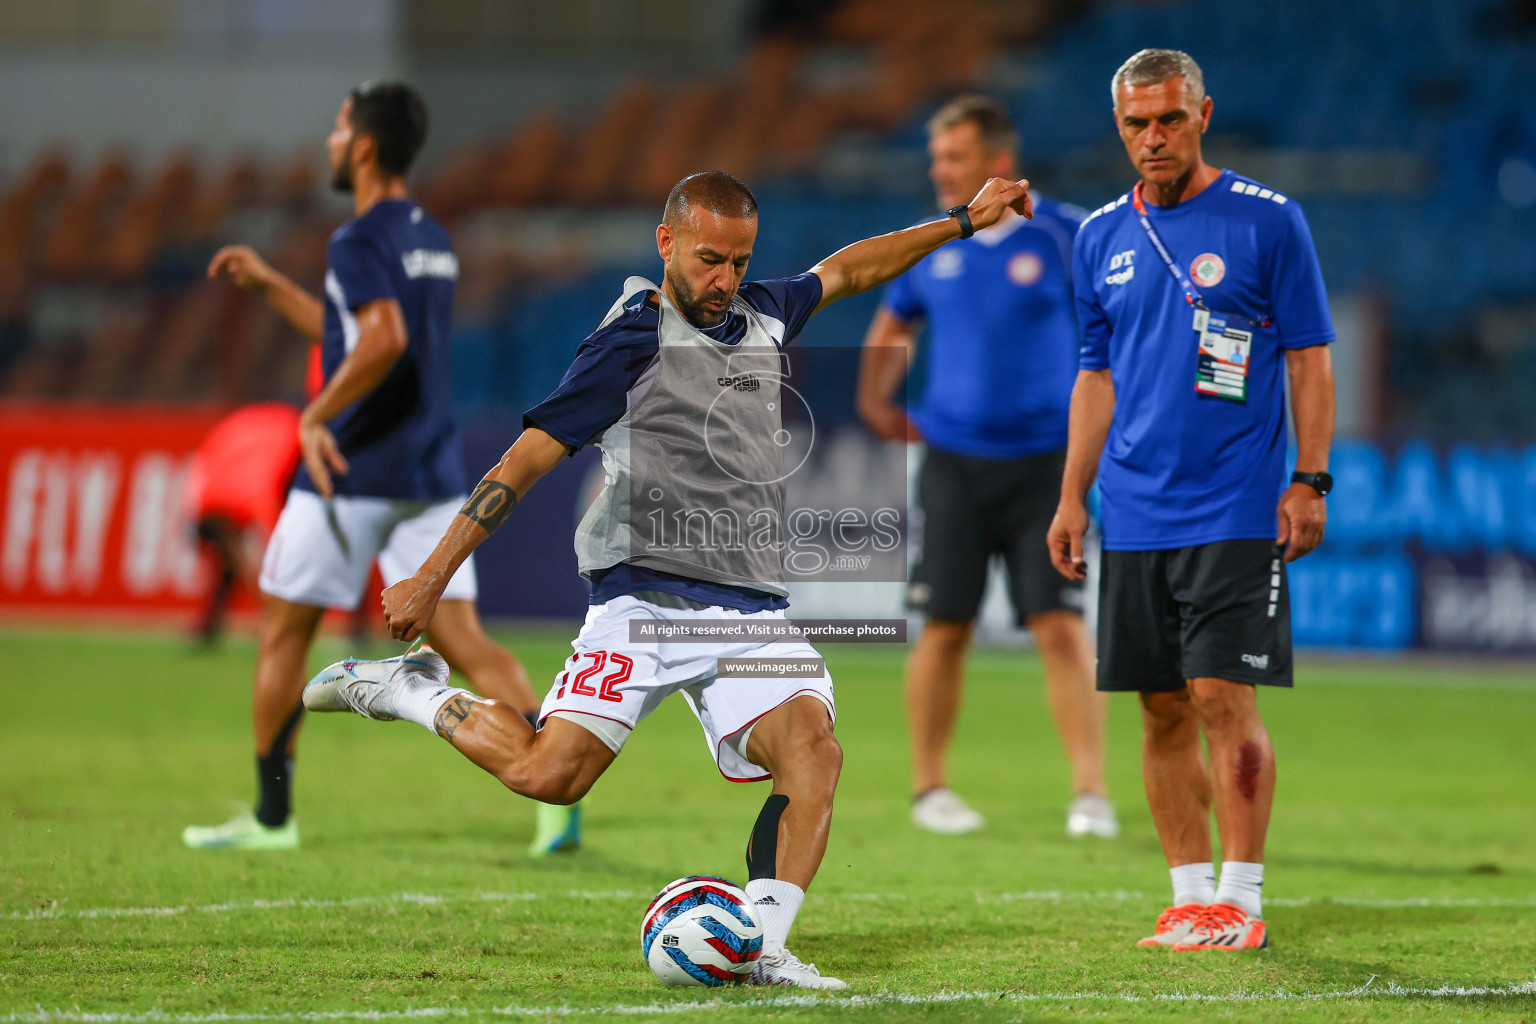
[[419, 699], [775, 904], [1241, 885], [1193, 883]]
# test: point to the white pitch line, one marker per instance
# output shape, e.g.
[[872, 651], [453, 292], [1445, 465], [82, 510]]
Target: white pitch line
[[1426, 902], [581, 895], [1368, 991], [1057, 896], [1131, 896]]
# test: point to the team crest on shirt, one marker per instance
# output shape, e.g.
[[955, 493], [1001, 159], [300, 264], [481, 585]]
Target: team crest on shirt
[[1208, 270], [948, 263], [1025, 268]]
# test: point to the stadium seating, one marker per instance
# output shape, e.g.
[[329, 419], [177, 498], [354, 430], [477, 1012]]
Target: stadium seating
[[101, 290]]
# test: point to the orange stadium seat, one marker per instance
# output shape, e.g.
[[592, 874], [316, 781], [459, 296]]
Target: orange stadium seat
[[147, 218], [672, 144], [529, 167], [84, 219], [604, 152], [236, 188]]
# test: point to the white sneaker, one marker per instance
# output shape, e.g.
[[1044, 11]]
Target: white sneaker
[[1174, 925], [942, 811], [1225, 927], [1091, 815], [781, 967], [368, 687]]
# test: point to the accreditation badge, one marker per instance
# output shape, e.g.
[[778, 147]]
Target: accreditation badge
[[1222, 369]]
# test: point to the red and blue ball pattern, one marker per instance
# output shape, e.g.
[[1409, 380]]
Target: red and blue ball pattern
[[700, 930]]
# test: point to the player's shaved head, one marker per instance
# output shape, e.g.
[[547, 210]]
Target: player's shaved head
[[705, 238], [722, 194]]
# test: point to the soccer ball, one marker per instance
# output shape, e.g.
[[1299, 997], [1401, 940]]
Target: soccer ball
[[700, 930]]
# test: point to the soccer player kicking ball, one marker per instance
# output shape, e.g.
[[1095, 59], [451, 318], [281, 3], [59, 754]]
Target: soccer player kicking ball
[[381, 474], [1197, 293], [679, 388]]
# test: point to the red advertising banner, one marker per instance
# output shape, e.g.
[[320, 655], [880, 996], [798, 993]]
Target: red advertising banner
[[90, 508]]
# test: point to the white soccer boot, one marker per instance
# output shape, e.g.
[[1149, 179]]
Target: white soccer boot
[[1225, 927], [1174, 926], [369, 687], [781, 967], [1092, 815], [942, 811]]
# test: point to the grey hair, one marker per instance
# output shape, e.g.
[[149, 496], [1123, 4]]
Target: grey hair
[[1149, 67]]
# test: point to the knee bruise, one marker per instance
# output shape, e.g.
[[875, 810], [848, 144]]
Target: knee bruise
[[763, 844]]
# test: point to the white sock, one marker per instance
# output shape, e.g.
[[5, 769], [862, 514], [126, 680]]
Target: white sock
[[418, 700], [775, 903], [1241, 885], [1194, 883]]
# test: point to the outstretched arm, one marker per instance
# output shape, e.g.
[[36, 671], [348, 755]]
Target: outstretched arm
[[874, 261], [245, 268], [410, 604]]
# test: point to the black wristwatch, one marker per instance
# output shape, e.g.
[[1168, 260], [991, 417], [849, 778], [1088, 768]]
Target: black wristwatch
[[962, 213], [1322, 483]]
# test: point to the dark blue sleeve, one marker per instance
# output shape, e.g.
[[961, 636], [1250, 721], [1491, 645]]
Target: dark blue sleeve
[[789, 300], [1091, 321], [1298, 299], [361, 270], [901, 298], [594, 392]]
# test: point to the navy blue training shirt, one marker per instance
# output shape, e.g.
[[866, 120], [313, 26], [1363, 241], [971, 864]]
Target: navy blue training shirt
[[594, 394], [1181, 468], [399, 440], [1002, 335]]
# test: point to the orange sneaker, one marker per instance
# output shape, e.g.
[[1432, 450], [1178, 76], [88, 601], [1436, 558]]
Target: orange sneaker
[[1223, 926], [1174, 925]]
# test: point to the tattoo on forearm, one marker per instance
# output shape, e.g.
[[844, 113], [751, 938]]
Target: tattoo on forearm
[[452, 714], [490, 505]]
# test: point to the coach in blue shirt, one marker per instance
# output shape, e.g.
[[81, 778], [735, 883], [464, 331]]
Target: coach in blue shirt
[[1197, 293], [1002, 352]]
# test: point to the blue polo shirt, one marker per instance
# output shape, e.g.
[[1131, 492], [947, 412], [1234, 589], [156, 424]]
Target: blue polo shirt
[[1001, 347], [399, 440], [1182, 468]]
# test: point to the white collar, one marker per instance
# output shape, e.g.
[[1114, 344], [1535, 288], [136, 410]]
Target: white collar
[[994, 235]]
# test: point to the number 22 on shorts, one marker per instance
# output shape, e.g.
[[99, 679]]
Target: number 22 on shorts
[[607, 689]]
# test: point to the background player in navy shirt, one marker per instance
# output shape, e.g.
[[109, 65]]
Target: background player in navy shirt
[[381, 475], [1001, 356], [1198, 292]]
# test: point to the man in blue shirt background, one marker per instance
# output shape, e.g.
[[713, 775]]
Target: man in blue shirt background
[[1197, 293], [1001, 356], [381, 474]]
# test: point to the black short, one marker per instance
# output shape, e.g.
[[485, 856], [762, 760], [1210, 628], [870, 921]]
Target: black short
[[974, 509], [1219, 611]]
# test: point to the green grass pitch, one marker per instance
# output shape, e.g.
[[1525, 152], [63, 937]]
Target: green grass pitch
[[1401, 860]]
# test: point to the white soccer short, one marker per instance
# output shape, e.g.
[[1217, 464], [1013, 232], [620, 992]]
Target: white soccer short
[[618, 683], [320, 555]]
